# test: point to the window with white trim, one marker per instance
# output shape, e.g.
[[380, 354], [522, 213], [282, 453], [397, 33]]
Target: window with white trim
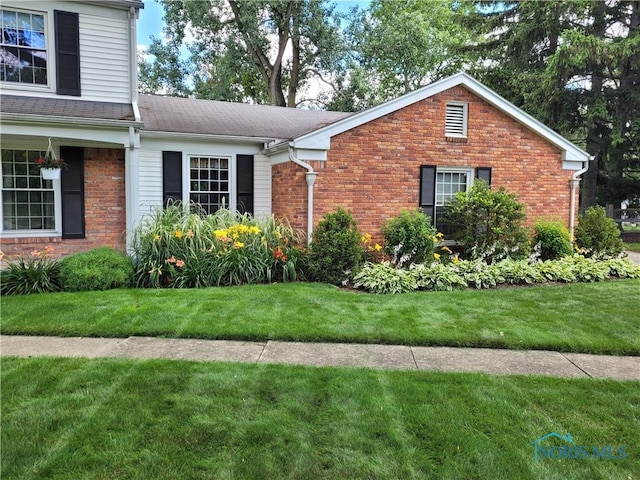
[[28, 201], [450, 181], [23, 47], [455, 124], [209, 182]]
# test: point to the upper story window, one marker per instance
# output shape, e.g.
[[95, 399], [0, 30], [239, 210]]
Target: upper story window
[[456, 120], [23, 49]]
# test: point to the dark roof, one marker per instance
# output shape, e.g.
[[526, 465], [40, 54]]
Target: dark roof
[[62, 107], [208, 117]]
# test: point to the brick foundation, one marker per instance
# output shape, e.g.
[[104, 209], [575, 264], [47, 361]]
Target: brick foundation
[[374, 170], [105, 215]]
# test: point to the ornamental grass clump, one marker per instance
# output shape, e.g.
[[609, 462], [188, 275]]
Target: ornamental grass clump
[[180, 246], [36, 272]]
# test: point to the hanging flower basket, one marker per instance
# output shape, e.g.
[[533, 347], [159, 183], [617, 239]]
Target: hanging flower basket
[[50, 165], [50, 173]]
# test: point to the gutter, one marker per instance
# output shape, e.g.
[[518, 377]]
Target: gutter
[[72, 121], [202, 136], [574, 183], [311, 176]]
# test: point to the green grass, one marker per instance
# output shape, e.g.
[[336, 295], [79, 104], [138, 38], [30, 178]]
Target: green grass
[[160, 419], [633, 246], [594, 318]]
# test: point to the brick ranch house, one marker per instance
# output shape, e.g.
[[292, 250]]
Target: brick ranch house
[[128, 153], [414, 151]]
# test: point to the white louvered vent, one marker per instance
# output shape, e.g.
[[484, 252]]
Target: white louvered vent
[[456, 120]]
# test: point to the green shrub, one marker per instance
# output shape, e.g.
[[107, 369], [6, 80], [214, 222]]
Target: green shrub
[[36, 273], [409, 238], [598, 235], [101, 268], [552, 240], [489, 223], [180, 247], [335, 252], [384, 278]]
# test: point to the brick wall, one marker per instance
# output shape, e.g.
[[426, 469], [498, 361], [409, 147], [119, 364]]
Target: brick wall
[[374, 170], [105, 216]]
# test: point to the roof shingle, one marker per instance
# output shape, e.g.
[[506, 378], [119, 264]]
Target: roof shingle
[[208, 117], [62, 107]]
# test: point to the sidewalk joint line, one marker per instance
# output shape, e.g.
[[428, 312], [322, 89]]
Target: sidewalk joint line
[[262, 351], [413, 355], [576, 365]]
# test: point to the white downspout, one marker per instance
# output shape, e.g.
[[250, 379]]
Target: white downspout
[[311, 176], [574, 183], [131, 151]]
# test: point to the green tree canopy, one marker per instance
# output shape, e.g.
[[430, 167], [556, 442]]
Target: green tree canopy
[[252, 50]]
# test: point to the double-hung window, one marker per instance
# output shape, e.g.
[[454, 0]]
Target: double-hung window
[[23, 47], [209, 182], [28, 201], [439, 185], [449, 181]]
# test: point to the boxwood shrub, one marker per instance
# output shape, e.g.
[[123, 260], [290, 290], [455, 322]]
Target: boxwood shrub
[[101, 268]]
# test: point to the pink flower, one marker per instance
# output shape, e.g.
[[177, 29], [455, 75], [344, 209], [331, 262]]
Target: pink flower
[[179, 263], [171, 259]]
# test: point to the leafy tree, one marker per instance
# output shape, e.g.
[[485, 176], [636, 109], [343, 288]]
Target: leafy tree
[[167, 73], [574, 65], [262, 51], [398, 47]]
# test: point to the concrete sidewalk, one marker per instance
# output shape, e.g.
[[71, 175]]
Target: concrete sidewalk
[[392, 357]]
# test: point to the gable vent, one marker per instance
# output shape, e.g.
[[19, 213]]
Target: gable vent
[[456, 120]]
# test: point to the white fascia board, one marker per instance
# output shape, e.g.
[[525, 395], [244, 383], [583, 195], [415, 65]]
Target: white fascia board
[[321, 138], [309, 155], [573, 164], [279, 157]]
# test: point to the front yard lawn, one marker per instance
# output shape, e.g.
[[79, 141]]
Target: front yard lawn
[[633, 246], [597, 317], [159, 419]]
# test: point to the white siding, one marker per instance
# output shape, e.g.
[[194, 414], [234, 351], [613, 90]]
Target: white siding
[[261, 185], [104, 50], [104, 59], [149, 180]]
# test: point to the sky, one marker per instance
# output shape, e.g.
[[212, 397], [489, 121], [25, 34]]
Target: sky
[[150, 22]]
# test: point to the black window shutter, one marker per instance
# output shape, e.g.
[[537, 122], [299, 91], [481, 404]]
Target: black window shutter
[[72, 186], [67, 52], [484, 173], [171, 177], [245, 183], [428, 189]]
